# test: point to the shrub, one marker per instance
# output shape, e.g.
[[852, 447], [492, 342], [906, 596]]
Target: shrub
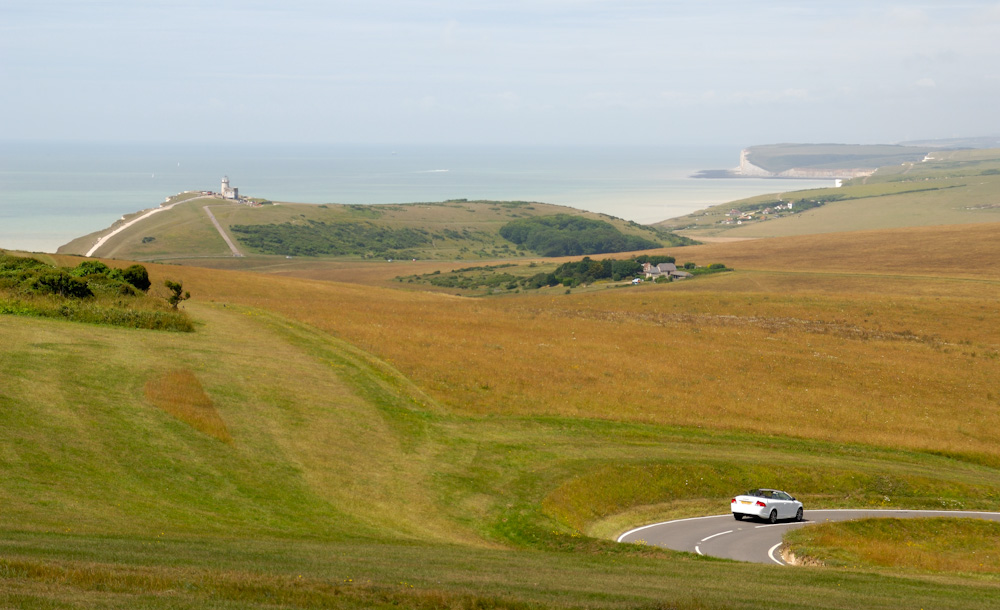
[[10, 264], [90, 268], [176, 293], [60, 282], [654, 260], [137, 276], [104, 285], [90, 292]]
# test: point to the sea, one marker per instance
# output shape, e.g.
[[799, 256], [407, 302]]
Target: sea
[[54, 192]]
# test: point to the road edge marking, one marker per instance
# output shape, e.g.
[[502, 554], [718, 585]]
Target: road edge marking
[[639, 529], [915, 510], [770, 553]]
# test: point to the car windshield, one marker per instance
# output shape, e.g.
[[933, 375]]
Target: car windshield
[[768, 493]]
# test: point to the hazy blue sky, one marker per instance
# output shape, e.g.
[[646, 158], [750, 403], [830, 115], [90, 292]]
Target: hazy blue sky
[[499, 71]]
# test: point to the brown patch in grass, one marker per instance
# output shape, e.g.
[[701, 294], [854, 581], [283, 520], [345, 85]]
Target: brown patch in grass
[[180, 394]]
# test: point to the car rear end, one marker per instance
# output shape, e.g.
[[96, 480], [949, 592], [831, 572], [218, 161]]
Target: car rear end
[[750, 506]]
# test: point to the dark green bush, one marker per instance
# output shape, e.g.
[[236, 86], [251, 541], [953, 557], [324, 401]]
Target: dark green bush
[[90, 268], [90, 292], [104, 285], [10, 265], [654, 260], [60, 282], [137, 276], [566, 235]]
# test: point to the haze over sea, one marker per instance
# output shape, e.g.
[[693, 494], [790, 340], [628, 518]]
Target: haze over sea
[[51, 193]]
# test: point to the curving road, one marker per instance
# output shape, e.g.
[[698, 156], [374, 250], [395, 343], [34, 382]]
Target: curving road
[[723, 536]]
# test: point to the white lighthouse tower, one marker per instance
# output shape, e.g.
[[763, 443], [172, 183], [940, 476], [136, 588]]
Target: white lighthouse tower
[[227, 191]]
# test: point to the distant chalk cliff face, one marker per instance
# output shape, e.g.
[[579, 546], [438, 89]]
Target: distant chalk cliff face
[[750, 170]]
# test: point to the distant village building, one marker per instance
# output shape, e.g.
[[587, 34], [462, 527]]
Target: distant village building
[[229, 192], [668, 270]]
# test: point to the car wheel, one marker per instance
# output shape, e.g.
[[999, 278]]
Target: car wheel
[[738, 516], [773, 518], [798, 514]]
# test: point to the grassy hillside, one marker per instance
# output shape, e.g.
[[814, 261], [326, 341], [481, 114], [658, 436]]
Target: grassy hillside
[[933, 545], [780, 157], [268, 234], [955, 187], [316, 443]]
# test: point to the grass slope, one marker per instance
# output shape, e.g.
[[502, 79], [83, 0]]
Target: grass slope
[[956, 187], [456, 230], [115, 503], [389, 448], [780, 157], [935, 545], [834, 345]]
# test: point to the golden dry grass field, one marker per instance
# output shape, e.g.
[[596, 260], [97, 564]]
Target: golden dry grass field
[[888, 338]]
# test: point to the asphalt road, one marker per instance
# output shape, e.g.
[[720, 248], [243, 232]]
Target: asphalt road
[[759, 542], [225, 236]]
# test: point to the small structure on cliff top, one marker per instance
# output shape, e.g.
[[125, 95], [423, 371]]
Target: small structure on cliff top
[[229, 192]]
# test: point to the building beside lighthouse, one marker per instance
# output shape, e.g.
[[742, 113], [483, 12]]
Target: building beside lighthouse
[[229, 192]]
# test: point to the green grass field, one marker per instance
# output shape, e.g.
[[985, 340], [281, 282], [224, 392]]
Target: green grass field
[[780, 157], [454, 230], [366, 444], [956, 187], [970, 546], [330, 436], [345, 485]]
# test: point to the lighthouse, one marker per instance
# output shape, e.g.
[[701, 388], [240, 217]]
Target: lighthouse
[[227, 191]]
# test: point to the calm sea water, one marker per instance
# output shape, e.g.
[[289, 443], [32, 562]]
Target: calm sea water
[[51, 193]]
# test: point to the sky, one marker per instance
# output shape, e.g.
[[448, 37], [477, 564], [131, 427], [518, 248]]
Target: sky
[[498, 72]]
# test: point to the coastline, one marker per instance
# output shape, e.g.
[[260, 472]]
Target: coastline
[[728, 174], [54, 195]]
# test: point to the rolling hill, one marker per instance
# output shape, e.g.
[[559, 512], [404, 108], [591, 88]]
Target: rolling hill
[[387, 447], [267, 234], [951, 187], [779, 158]]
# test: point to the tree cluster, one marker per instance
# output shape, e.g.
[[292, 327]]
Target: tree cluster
[[585, 271], [566, 235]]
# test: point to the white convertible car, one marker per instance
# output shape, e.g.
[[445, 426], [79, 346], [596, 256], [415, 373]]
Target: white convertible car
[[767, 504]]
